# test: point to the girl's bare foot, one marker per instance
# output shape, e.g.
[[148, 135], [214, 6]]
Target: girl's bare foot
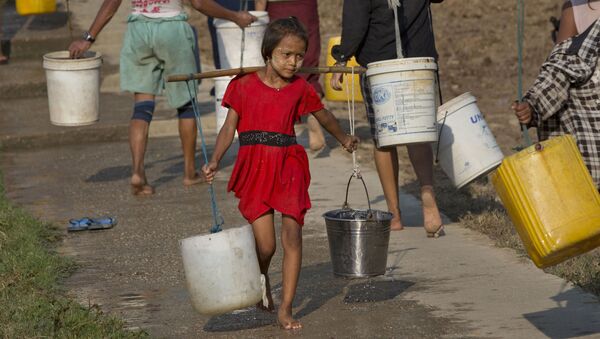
[[285, 319], [140, 187], [197, 179], [267, 308], [432, 221], [261, 305], [396, 224]]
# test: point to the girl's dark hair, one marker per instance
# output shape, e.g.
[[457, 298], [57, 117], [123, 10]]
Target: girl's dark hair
[[279, 29]]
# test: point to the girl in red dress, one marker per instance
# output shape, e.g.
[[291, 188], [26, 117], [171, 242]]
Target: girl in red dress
[[271, 171]]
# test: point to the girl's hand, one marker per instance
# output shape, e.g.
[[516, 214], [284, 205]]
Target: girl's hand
[[522, 111], [209, 170], [350, 143]]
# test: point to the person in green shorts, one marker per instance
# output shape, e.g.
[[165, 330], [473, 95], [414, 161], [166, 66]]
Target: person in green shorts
[[158, 42]]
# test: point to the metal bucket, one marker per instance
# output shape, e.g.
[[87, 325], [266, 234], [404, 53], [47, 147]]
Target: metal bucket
[[358, 239]]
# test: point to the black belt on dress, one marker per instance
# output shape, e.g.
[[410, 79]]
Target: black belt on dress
[[266, 138]]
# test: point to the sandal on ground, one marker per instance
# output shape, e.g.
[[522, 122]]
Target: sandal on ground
[[84, 224], [437, 233], [102, 223], [76, 225]]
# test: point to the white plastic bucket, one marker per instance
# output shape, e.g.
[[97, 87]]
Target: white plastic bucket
[[404, 100], [467, 147], [222, 271], [73, 88], [229, 41], [221, 84]]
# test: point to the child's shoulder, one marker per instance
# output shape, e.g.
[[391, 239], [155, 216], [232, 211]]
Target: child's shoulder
[[244, 78]]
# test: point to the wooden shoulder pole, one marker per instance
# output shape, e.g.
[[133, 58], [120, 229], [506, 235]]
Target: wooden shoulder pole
[[245, 70]]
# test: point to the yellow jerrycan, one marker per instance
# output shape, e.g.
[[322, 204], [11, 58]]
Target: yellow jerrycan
[[27, 7], [551, 199], [330, 93]]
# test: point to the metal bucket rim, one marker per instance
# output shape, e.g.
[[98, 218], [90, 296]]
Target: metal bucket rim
[[387, 215]]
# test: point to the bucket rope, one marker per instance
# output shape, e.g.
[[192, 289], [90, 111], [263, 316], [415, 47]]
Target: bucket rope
[[217, 217], [69, 20], [243, 7], [520, 35], [351, 101], [394, 4]]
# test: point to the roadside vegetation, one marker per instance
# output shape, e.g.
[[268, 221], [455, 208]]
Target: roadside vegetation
[[33, 304]]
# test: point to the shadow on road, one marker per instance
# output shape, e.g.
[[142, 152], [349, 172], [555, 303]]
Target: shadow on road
[[317, 286], [566, 320]]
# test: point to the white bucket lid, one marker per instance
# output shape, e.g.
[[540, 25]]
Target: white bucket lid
[[405, 64], [263, 19], [61, 61], [454, 105]]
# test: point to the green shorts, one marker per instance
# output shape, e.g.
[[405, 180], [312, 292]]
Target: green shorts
[[156, 48]]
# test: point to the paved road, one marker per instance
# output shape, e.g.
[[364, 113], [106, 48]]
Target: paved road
[[456, 286]]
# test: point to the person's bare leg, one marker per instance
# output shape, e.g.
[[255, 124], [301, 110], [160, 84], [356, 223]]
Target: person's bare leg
[[187, 135], [138, 139], [316, 139], [386, 161], [291, 240], [264, 236], [421, 157]]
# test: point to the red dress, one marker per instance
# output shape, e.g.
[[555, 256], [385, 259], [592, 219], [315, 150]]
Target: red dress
[[271, 177]]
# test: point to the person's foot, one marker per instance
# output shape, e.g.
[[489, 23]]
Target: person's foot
[[270, 307], [432, 220], [396, 223], [142, 190], [140, 187], [285, 319], [197, 179], [316, 139], [4, 51]]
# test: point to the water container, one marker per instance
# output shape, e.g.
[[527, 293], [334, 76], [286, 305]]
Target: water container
[[229, 41], [222, 271], [73, 88], [221, 84], [467, 147], [404, 93], [330, 93], [27, 7], [358, 239], [551, 199]]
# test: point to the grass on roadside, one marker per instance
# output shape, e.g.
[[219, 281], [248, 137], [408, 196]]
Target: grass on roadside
[[33, 305]]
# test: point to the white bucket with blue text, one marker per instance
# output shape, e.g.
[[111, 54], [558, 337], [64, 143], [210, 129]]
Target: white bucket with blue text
[[404, 93], [467, 147]]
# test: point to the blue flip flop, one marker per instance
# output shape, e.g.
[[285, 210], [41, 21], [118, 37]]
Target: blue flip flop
[[76, 225], [102, 223]]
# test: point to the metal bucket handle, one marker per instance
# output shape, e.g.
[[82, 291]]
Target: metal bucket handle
[[358, 176]]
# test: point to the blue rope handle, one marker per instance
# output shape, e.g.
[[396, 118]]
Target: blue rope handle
[[520, 34], [217, 218]]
